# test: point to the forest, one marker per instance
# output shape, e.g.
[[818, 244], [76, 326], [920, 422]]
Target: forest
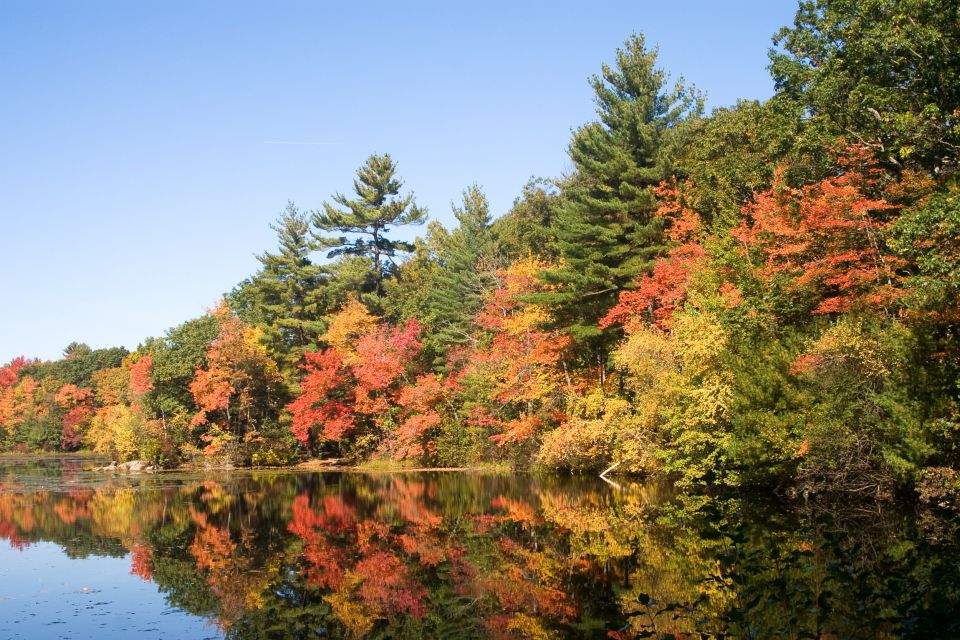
[[762, 296]]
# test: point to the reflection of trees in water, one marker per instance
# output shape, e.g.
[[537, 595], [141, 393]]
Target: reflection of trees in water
[[455, 555]]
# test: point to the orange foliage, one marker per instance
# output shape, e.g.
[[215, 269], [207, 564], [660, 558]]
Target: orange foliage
[[523, 359], [826, 237], [235, 385], [419, 417], [342, 389], [141, 376], [658, 295], [388, 587], [140, 562], [383, 355], [78, 403], [10, 371], [325, 400], [325, 561]]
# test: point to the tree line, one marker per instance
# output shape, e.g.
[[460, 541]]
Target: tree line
[[763, 295]]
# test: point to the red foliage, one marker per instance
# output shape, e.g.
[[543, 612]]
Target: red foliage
[[825, 237], [418, 417], [517, 430], [411, 433], [140, 562], [141, 375], [78, 402], [326, 562], [211, 391], [8, 532], [10, 371], [326, 399], [336, 392], [388, 586], [658, 295], [233, 390], [523, 356], [383, 355]]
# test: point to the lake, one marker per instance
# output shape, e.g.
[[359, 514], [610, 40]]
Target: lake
[[269, 554]]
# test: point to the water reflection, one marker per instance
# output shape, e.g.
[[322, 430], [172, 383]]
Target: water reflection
[[284, 555]]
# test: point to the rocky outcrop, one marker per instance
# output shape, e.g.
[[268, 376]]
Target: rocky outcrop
[[134, 466]]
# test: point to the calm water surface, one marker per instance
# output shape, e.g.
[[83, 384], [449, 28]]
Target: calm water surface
[[453, 555]]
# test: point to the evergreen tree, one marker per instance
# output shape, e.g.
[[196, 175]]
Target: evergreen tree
[[462, 282], [287, 293], [377, 207], [606, 229]]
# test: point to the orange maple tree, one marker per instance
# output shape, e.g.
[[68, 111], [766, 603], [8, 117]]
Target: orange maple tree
[[826, 238]]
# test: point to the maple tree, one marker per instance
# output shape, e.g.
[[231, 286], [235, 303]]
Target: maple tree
[[325, 401], [520, 359], [420, 417], [354, 383], [78, 404], [826, 238], [141, 376], [10, 371], [683, 300], [233, 391]]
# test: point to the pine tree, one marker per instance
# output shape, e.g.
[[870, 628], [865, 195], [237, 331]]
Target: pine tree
[[287, 291], [461, 282], [606, 231], [378, 206]]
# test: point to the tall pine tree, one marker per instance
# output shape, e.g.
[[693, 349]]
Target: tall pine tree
[[287, 293], [607, 233], [369, 217], [462, 282]]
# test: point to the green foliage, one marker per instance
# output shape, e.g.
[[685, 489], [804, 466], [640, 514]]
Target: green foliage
[[777, 283], [529, 228], [78, 364], [176, 358], [928, 235], [286, 295], [883, 73], [606, 232], [732, 155], [377, 207], [769, 409], [864, 432], [464, 277]]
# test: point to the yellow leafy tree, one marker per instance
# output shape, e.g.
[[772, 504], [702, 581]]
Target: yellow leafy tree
[[347, 326]]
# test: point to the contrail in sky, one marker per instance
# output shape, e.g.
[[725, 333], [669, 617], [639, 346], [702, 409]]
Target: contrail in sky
[[295, 142]]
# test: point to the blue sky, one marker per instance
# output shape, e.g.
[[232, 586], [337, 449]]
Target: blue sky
[[146, 146]]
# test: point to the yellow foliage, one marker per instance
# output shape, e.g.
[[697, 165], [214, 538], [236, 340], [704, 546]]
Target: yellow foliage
[[111, 385], [351, 613], [346, 327], [848, 345], [700, 341], [529, 627], [579, 445], [116, 431], [528, 318], [647, 357], [114, 513]]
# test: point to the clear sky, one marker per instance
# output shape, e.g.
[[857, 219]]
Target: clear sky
[[146, 146]]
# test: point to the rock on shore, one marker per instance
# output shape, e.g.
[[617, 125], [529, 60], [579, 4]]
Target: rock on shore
[[134, 466]]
